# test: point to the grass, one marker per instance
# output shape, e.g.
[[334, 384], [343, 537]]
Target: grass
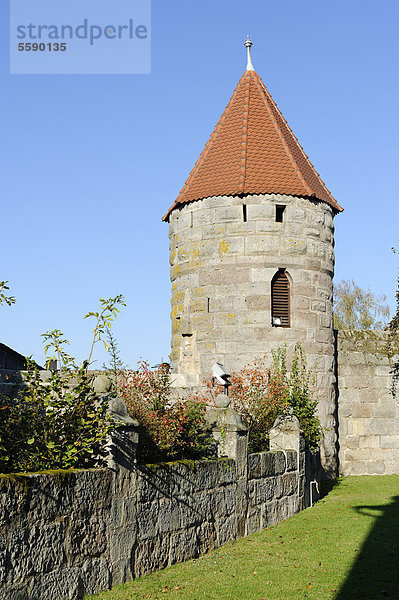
[[346, 547]]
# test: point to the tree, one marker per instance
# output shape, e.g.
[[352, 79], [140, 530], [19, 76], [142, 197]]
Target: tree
[[4, 298], [393, 325], [355, 308]]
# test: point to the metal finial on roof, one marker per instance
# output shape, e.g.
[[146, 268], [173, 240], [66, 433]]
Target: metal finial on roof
[[248, 45]]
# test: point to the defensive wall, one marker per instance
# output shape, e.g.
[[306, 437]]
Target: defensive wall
[[67, 533], [368, 404]]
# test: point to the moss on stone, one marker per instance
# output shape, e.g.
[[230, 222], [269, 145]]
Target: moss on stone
[[166, 465], [20, 483]]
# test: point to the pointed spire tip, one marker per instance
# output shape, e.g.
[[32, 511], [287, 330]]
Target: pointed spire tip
[[248, 45]]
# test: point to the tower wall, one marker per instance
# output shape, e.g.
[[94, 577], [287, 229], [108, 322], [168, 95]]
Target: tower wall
[[223, 258]]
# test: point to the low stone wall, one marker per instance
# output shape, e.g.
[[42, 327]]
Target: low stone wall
[[368, 408], [66, 533]]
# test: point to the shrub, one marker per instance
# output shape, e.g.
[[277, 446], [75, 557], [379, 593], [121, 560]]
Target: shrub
[[300, 383], [260, 394], [168, 429], [53, 424], [58, 423]]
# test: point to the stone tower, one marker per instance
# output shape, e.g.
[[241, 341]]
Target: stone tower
[[252, 251]]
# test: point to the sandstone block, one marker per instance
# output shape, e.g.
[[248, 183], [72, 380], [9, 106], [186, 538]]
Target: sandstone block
[[260, 212], [206, 473], [147, 520], [37, 549], [183, 546], [253, 520], [254, 466], [301, 302], [382, 427], [259, 244], [228, 213], [292, 460], [150, 555], [226, 529], [376, 467], [387, 410], [200, 218], [367, 441], [390, 441], [350, 441], [361, 410], [257, 302], [293, 246]]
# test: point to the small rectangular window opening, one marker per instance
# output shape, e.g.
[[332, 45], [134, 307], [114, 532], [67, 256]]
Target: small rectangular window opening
[[244, 213], [280, 208]]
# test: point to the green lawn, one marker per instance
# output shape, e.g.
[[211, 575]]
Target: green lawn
[[346, 547]]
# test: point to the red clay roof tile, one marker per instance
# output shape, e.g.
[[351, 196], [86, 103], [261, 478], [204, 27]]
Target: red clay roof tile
[[252, 150]]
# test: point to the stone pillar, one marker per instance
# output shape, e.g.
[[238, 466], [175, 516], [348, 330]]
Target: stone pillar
[[232, 437], [286, 434], [229, 432], [120, 450]]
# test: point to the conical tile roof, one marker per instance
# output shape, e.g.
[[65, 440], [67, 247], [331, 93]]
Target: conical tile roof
[[252, 150]]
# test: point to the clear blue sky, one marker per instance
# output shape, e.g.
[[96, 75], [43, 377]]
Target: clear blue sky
[[90, 163]]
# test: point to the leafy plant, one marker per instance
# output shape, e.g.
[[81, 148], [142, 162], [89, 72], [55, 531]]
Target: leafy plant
[[168, 429], [108, 312], [4, 297], [260, 393], [300, 383], [55, 341], [116, 365], [58, 423], [53, 424]]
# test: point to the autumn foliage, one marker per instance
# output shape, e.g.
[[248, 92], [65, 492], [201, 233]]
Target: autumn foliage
[[169, 429], [260, 393]]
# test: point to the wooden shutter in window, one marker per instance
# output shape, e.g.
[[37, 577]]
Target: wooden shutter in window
[[281, 298]]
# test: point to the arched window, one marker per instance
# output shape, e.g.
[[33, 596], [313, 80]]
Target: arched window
[[280, 299]]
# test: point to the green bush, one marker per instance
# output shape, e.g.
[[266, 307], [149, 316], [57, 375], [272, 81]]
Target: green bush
[[169, 429], [53, 424], [260, 393], [300, 383], [58, 423]]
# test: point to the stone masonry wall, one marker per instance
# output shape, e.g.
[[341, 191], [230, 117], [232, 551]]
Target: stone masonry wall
[[66, 533], [223, 258], [368, 407]]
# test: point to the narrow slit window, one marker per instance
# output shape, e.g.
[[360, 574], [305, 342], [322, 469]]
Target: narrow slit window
[[244, 213], [280, 299], [209, 300], [280, 208], [191, 224]]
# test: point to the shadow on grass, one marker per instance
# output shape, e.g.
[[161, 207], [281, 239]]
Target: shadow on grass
[[375, 571], [327, 485]]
